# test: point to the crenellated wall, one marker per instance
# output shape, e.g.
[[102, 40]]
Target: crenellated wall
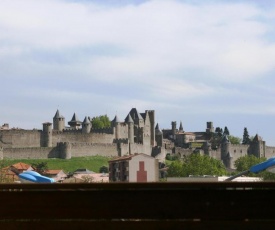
[[20, 138], [31, 153]]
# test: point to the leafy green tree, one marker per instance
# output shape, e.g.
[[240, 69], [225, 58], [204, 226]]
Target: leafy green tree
[[234, 140], [103, 169], [197, 165], [40, 167], [100, 122], [175, 169], [246, 139], [244, 163]]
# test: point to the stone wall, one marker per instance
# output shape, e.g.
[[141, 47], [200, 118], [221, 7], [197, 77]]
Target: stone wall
[[31, 153], [269, 152], [20, 138], [89, 149]]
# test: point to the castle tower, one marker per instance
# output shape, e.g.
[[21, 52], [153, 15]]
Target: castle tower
[[47, 135], [74, 123], [116, 125], [181, 127], [209, 127], [257, 147], [225, 149], [65, 150], [86, 125], [130, 123], [159, 135], [138, 125], [151, 114], [58, 122], [174, 128]]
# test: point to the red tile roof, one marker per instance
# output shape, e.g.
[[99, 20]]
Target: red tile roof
[[21, 166]]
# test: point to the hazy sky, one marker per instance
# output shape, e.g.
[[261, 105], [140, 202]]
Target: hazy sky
[[190, 61]]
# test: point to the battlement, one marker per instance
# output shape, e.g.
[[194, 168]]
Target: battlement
[[122, 140], [104, 130]]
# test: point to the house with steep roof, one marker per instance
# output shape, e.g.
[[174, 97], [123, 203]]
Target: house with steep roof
[[134, 168], [57, 174], [21, 167]]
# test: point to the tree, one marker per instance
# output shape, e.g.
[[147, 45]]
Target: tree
[[103, 169], [197, 165], [246, 139], [40, 167], [100, 122], [234, 140], [244, 163], [226, 131]]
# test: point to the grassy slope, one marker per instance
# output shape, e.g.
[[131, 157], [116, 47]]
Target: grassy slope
[[92, 163]]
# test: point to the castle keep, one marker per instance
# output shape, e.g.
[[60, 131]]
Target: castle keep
[[137, 133]]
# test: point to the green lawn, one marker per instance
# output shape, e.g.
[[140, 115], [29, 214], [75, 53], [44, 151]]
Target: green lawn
[[92, 163]]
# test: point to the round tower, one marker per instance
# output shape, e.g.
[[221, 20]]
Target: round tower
[[116, 125], [130, 123], [65, 150], [174, 128], [86, 125], [225, 149], [159, 135], [58, 122], [47, 135]]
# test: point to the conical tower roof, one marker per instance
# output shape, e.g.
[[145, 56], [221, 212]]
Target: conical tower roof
[[57, 115], [157, 130], [86, 121], [129, 119]]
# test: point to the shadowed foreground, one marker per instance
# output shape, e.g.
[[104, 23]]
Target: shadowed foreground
[[246, 205]]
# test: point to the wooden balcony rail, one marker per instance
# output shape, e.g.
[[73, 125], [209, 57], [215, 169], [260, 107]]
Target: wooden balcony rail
[[227, 205]]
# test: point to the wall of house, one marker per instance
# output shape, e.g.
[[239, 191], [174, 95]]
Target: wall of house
[[150, 167]]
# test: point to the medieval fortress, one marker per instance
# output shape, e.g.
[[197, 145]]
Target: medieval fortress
[[137, 133]]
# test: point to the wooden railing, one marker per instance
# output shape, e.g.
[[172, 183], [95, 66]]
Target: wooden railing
[[227, 205]]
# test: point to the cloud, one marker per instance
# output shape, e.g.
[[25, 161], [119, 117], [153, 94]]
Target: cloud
[[189, 56]]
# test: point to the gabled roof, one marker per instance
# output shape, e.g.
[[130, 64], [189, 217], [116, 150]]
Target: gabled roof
[[257, 138], [21, 166], [135, 114]]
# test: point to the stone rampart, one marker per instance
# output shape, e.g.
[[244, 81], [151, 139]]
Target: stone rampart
[[269, 152], [20, 138], [89, 149], [103, 130], [31, 153]]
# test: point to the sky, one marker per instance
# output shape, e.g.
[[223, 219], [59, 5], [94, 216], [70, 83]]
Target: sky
[[190, 61]]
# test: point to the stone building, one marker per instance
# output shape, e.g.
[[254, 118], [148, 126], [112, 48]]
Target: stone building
[[137, 133], [134, 168], [134, 134]]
